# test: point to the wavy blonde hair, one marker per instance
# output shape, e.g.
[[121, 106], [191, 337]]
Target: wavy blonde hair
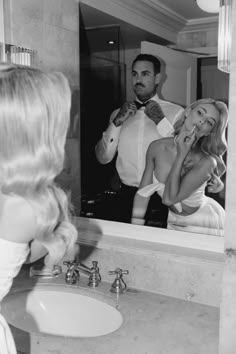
[[34, 118], [215, 143]]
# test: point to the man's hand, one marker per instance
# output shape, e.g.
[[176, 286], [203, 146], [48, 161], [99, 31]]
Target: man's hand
[[127, 110], [154, 112]]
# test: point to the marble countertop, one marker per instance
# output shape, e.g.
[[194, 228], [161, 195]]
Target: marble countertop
[[153, 324]]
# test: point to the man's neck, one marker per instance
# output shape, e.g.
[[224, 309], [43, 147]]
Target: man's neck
[[143, 100]]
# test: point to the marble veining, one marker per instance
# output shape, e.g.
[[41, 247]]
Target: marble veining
[[153, 324]]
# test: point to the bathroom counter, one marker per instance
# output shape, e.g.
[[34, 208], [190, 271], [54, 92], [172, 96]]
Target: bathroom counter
[[153, 324]]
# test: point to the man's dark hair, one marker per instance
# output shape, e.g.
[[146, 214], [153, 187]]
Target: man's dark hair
[[151, 58]]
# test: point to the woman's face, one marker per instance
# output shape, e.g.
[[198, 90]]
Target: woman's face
[[203, 117]]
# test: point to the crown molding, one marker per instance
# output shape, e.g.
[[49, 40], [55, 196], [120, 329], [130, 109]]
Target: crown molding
[[180, 23], [161, 8], [153, 16], [155, 12], [201, 24], [144, 14]]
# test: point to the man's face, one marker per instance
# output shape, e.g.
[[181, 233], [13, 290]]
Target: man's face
[[144, 80]]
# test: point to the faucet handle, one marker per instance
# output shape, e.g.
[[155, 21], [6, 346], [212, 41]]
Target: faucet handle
[[119, 285], [95, 276], [95, 264], [118, 271], [95, 268], [68, 263], [72, 274]]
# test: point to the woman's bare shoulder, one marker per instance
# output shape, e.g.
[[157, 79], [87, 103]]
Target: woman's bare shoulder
[[160, 145], [17, 219], [207, 160], [204, 164], [161, 142]]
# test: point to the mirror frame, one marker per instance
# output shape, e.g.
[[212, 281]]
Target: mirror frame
[[191, 241], [98, 227]]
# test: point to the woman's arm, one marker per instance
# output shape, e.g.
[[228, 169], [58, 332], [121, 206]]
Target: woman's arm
[[17, 222], [37, 251], [178, 188], [141, 203]]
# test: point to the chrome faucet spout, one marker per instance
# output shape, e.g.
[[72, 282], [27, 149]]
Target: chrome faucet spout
[[72, 274], [74, 269], [83, 268]]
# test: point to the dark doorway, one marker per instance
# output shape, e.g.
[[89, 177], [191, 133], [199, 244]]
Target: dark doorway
[[102, 79]]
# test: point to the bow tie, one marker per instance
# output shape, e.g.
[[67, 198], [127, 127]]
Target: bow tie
[[152, 110], [139, 104]]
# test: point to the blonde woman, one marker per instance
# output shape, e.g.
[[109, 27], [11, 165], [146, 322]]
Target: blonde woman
[[179, 168], [34, 117]]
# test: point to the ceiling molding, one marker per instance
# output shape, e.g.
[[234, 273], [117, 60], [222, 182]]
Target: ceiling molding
[[154, 11], [158, 6], [143, 14], [201, 24], [153, 16]]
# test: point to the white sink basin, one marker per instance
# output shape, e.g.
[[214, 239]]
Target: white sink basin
[[61, 311]]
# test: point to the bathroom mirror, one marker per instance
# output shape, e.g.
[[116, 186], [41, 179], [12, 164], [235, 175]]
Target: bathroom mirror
[[105, 85]]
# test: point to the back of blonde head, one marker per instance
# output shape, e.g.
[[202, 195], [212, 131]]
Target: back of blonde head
[[34, 118]]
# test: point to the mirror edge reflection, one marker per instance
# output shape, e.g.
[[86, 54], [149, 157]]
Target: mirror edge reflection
[[90, 230]]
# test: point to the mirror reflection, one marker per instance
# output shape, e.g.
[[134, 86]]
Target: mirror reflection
[[113, 161]]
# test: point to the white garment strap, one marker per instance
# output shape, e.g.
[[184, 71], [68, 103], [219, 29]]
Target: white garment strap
[[165, 128], [150, 189], [158, 187], [7, 345]]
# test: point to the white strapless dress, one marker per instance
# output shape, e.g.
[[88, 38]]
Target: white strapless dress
[[208, 219], [12, 256]]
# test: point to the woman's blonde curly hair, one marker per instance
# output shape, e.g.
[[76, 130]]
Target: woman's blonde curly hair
[[34, 118], [215, 143]]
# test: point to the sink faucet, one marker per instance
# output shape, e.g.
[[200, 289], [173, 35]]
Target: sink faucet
[[118, 286], [73, 272]]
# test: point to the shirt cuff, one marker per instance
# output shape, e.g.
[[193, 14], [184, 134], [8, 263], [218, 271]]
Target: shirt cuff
[[165, 128], [112, 133]]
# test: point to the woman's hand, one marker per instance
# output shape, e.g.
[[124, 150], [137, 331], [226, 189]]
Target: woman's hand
[[215, 185], [184, 142]]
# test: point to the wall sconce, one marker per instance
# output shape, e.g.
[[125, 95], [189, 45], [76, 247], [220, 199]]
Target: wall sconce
[[224, 30], [17, 55], [225, 35]]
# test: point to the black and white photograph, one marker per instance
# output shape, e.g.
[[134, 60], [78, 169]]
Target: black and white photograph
[[117, 177]]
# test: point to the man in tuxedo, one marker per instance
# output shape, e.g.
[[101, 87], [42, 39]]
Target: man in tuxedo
[[130, 131]]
